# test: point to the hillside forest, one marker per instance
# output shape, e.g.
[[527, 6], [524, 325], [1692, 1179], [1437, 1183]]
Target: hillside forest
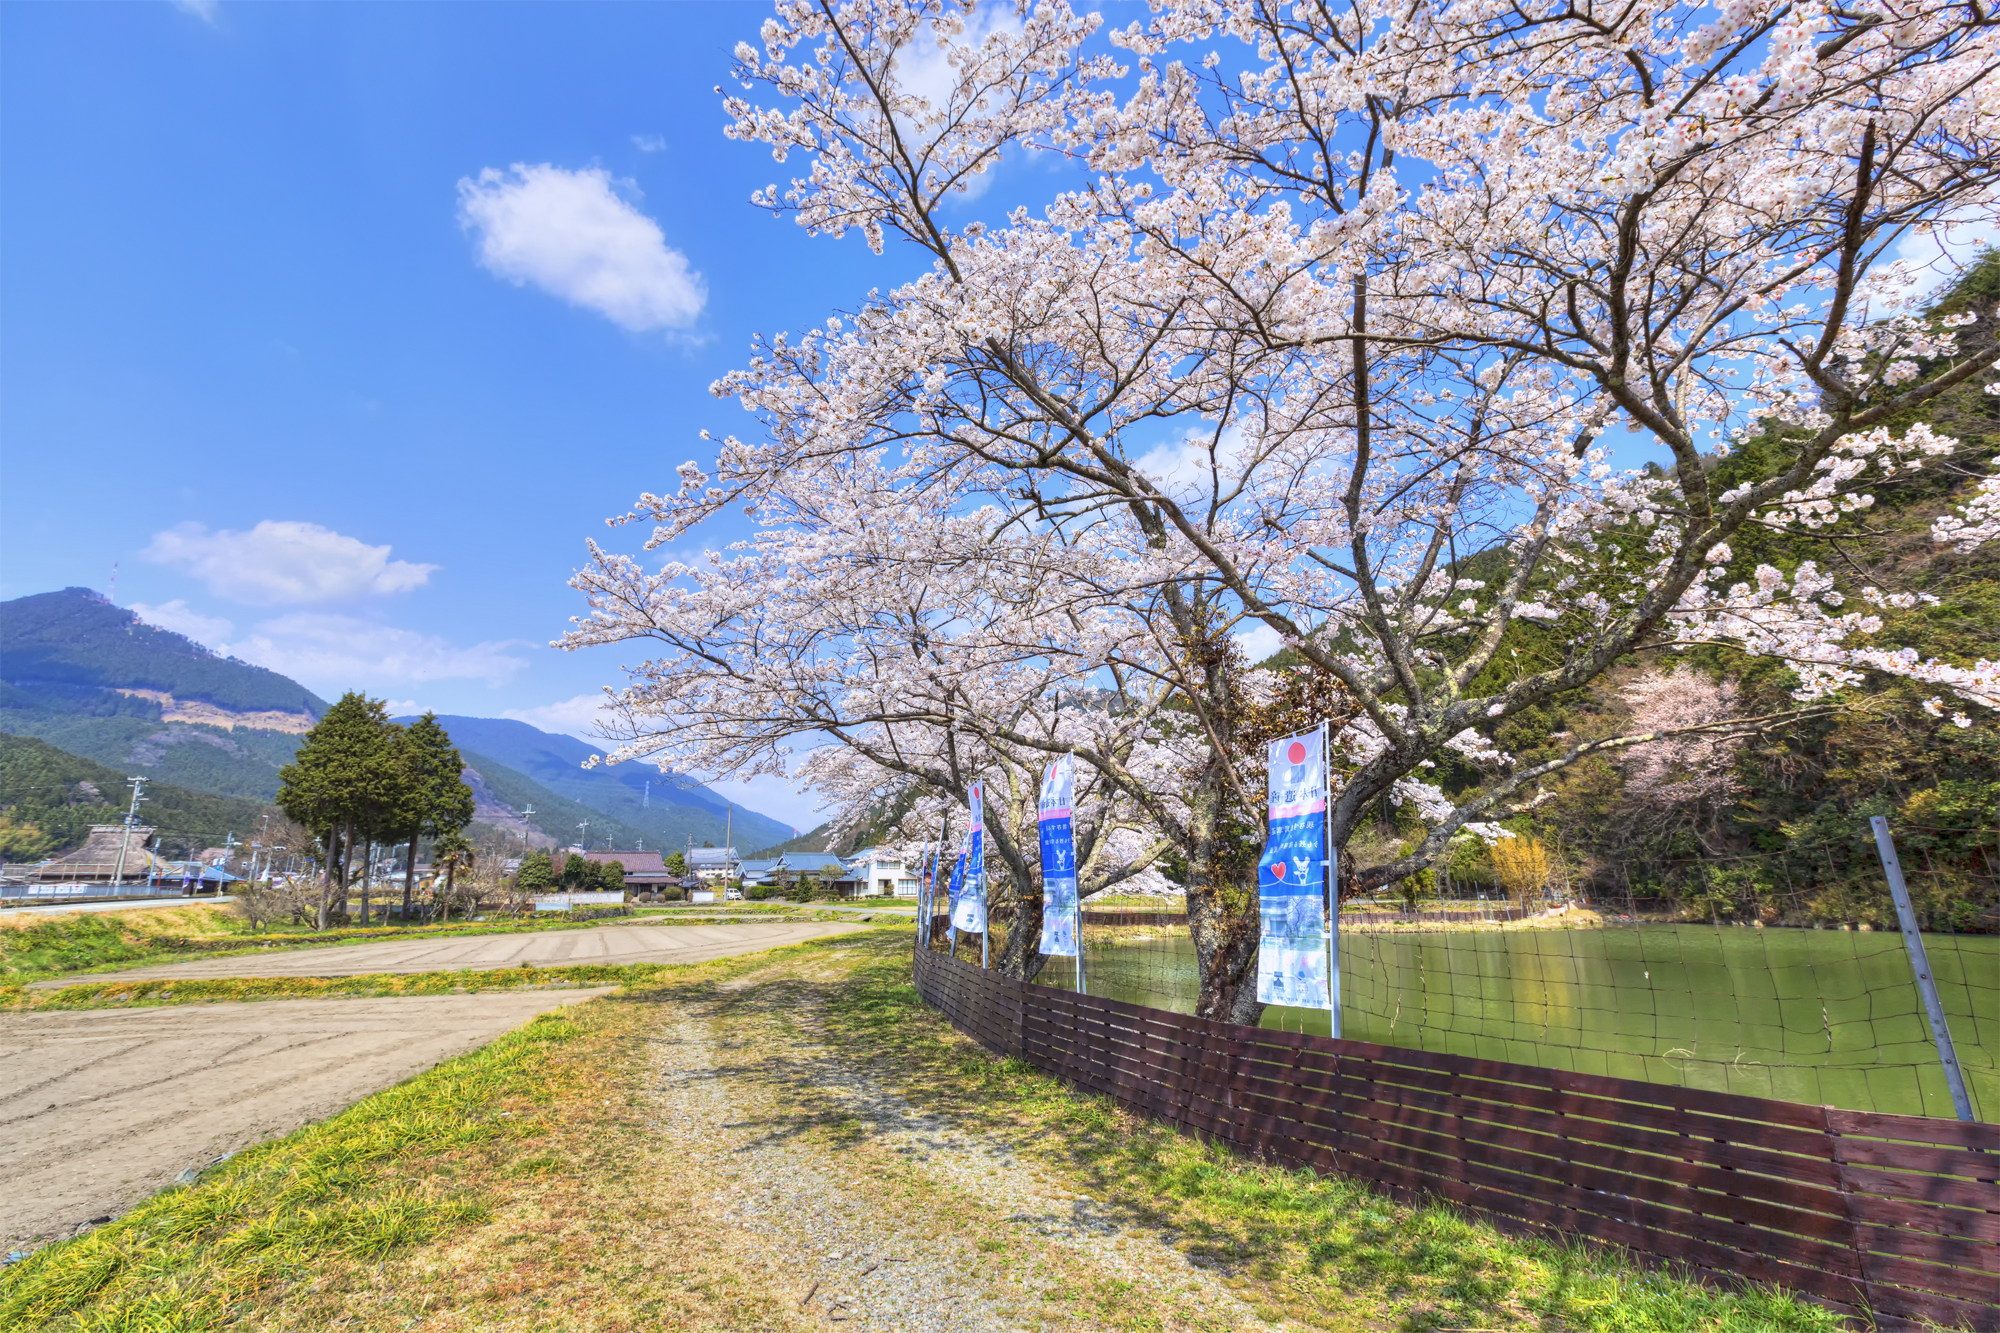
[[1774, 827]]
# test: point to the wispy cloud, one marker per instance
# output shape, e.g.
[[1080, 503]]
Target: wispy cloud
[[334, 653], [285, 564], [576, 717], [179, 617], [650, 143], [572, 235], [205, 10]]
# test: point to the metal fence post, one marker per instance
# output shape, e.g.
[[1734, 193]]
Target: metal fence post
[[1920, 963]]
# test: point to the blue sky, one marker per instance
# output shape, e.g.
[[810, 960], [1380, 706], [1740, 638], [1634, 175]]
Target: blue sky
[[339, 328], [244, 285]]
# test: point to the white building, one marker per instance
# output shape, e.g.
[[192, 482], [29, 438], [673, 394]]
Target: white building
[[882, 873], [713, 863]]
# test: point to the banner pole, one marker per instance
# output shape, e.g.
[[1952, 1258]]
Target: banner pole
[[1332, 886]]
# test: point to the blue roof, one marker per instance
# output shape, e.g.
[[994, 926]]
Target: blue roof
[[807, 862]]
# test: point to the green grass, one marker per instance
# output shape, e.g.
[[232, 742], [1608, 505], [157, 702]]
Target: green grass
[[1302, 1244], [203, 990], [73, 943], [358, 1186]]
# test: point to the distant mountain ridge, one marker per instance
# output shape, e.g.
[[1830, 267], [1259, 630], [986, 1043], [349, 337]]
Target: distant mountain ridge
[[95, 681], [641, 801], [75, 640]]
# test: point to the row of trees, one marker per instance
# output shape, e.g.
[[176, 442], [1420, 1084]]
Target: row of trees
[[360, 780], [1321, 339], [539, 873]]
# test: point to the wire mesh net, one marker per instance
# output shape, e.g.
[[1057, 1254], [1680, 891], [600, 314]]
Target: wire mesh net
[[1778, 975]]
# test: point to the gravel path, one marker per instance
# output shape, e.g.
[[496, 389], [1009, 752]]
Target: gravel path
[[906, 1229], [619, 944]]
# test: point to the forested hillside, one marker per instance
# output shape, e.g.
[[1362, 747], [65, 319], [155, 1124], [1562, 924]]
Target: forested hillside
[[636, 798], [74, 644], [555, 815], [49, 800], [1775, 826]]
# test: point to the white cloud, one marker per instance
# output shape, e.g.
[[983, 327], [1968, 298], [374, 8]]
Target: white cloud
[[285, 564], [569, 233], [1259, 642], [568, 717], [336, 653], [205, 10], [1182, 469], [650, 143], [774, 796], [923, 68], [1937, 256], [181, 619]]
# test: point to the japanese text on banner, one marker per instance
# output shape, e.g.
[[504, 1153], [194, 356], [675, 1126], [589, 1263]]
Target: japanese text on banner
[[1291, 877], [1058, 858], [968, 905]]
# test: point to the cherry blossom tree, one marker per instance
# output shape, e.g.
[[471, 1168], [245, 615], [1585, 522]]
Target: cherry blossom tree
[[1331, 332], [1689, 771]]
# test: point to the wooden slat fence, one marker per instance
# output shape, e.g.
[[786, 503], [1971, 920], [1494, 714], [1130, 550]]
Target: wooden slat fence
[[1891, 1218]]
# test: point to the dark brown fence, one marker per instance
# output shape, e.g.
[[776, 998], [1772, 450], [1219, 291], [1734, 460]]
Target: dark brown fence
[[1889, 1217]]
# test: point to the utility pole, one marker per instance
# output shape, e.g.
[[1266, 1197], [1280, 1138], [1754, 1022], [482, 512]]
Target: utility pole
[[527, 832], [585, 834], [137, 785]]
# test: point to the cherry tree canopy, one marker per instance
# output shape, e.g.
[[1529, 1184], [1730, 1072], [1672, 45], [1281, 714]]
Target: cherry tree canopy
[[1333, 332]]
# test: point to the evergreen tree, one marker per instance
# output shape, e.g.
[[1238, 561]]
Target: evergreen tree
[[453, 850], [611, 876], [335, 785], [537, 873], [442, 802]]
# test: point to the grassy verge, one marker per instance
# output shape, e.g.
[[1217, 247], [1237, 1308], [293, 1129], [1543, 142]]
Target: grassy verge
[[54, 945], [130, 994], [1321, 1251], [395, 1170], [528, 1185]]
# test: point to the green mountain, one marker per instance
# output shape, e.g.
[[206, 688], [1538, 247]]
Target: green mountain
[[74, 643], [501, 793], [640, 801], [95, 681], [49, 800]]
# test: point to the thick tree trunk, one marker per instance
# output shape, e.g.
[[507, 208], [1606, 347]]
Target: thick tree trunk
[[367, 867], [1222, 910], [450, 879], [1222, 919], [1021, 956]]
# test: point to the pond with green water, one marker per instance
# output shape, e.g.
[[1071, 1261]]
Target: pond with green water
[[1819, 1016]]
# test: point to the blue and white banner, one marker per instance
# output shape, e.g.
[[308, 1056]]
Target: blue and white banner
[[1292, 878], [968, 901], [1053, 813]]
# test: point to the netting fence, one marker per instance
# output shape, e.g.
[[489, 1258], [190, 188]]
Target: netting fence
[[1780, 975]]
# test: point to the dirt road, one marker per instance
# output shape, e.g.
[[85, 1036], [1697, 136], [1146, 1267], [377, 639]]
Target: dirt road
[[618, 944], [101, 1108]]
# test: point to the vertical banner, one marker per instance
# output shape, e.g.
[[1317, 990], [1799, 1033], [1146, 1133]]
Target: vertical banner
[[1294, 946], [968, 891], [1059, 907]]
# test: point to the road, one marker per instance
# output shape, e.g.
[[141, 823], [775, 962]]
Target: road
[[615, 944]]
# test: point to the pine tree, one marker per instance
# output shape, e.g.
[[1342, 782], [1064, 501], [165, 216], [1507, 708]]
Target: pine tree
[[442, 804], [335, 784]]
